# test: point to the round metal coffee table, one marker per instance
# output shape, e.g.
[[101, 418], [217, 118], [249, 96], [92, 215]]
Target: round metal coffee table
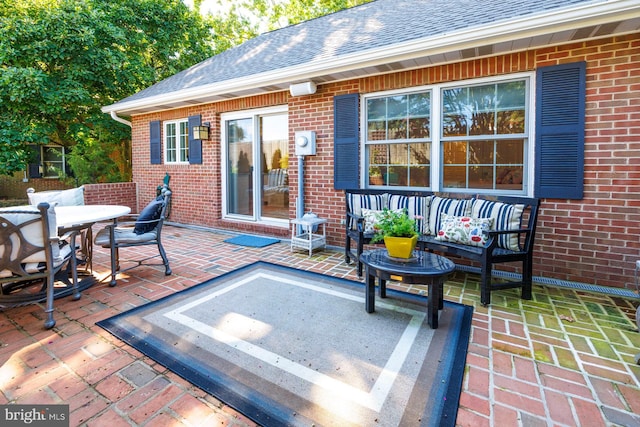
[[424, 268]]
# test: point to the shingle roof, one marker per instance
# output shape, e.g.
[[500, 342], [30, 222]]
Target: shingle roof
[[376, 25]]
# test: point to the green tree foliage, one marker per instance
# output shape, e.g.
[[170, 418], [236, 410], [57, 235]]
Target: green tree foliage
[[283, 13], [245, 19], [61, 60]]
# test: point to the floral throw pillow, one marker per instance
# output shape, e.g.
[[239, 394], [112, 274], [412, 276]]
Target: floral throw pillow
[[444, 205], [464, 230], [371, 218]]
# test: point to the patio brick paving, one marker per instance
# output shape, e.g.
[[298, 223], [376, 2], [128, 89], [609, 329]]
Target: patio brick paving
[[565, 358]]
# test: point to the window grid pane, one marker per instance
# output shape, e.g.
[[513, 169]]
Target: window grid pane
[[391, 121], [176, 141], [170, 142], [184, 141], [486, 117], [482, 130], [470, 164], [53, 161]]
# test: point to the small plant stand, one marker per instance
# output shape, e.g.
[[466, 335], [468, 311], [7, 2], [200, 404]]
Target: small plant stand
[[313, 234]]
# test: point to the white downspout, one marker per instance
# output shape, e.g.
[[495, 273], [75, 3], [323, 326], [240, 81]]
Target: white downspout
[[115, 117]]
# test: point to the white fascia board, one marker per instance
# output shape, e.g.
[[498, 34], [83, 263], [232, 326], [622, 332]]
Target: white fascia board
[[528, 26]]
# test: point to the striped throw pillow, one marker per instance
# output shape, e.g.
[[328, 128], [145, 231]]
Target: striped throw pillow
[[505, 217], [357, 202], [417, 207], [444, 205]]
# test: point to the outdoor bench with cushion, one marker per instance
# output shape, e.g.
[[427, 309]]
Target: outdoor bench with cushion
[[484, 229]]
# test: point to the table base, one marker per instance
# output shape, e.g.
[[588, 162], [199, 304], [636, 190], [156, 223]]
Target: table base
[[435, 301]]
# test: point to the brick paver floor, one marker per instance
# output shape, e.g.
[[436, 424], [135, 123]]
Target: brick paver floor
[[565, 358]]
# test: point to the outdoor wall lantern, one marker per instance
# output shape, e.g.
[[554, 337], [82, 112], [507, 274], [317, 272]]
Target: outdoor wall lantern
[[201, 132], [299, 89]]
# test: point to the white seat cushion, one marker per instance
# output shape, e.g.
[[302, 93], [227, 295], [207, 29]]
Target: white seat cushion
[[36, 267]]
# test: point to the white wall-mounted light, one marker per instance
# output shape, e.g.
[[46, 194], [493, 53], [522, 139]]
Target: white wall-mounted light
[[299, 89]]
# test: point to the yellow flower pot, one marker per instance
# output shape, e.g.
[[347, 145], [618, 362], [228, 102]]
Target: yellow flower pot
[[400, 247]]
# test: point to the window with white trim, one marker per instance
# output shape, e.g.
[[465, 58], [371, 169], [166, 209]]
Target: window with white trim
[[48, 161], [53, 164], [176, 141], [478, 132]]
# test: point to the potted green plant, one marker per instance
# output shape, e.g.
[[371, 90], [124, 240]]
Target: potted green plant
[[398, 231], [375, 176]]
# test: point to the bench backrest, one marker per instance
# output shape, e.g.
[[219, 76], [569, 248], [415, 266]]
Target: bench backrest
[[509, 212]]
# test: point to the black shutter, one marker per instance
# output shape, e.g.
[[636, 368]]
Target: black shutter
[[33, 169], [560, 123], [195, 145], [155, 146], [346, 161]]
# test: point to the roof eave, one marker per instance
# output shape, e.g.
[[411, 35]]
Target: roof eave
[[547, 23]]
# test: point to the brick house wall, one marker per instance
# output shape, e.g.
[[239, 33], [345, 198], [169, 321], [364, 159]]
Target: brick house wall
[[594, 240]]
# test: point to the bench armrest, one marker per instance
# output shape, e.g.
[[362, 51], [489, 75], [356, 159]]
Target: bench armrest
[[359, 221], [528, 234]]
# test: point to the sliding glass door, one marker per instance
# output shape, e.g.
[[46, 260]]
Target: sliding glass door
[[256, 156]]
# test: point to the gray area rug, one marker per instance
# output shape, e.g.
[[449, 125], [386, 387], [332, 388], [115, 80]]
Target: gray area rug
[[289, 347]]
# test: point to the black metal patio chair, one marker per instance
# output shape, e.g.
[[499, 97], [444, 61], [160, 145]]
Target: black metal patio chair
[[137, 230]]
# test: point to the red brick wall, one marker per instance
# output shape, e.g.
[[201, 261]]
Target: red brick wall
[[15, 187], [594, 240], [120, 193]]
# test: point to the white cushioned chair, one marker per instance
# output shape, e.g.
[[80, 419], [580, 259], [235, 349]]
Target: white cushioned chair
[[69, 197], [137, 230], [31, 254]]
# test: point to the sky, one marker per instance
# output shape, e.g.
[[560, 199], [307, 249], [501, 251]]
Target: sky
[[212, 6]]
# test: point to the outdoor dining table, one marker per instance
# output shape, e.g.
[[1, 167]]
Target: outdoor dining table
[[83, 217]]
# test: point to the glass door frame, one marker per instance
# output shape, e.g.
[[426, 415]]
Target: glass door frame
[[255, 115]]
